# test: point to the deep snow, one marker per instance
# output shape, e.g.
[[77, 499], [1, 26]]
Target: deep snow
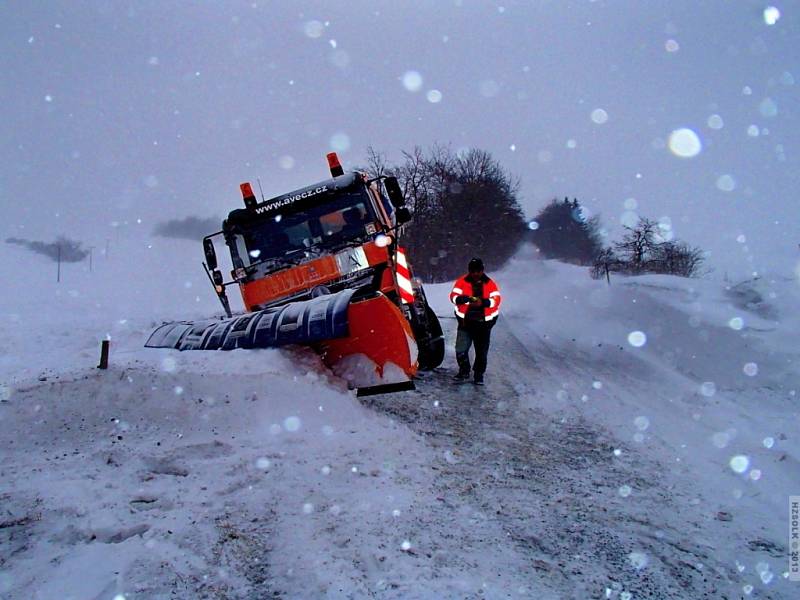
[[588, 467]]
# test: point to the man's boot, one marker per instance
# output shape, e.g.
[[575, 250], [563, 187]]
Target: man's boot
[[478, 379], [462, 375]]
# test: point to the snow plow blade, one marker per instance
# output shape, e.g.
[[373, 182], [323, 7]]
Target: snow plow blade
[[362, 336], [305, 322]]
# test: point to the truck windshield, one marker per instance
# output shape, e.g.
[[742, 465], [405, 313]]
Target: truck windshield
[[343, 219]]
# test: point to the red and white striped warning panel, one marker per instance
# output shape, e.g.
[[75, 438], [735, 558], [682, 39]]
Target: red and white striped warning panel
[[404, 277]]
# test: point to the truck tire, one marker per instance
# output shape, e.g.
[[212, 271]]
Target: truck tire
[[430, 341]]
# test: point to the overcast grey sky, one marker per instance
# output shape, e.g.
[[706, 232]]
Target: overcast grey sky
[[119, 111]]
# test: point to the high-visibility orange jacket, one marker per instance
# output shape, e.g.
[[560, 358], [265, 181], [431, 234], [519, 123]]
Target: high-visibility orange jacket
[[463, 290]]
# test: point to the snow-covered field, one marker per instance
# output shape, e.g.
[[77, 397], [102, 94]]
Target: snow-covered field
[[597, 463]]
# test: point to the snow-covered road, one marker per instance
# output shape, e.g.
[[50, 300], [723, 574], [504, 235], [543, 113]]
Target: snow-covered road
[[586, 468]]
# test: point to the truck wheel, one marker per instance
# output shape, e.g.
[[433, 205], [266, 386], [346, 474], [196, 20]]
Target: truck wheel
[[430, 342]]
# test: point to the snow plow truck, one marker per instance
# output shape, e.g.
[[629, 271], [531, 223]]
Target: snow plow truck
[[322, 266]]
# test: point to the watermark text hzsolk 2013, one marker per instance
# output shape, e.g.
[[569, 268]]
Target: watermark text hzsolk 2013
[[794, 538]]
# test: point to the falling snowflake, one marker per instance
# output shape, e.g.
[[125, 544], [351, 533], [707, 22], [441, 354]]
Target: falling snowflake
[[750, 369], [715, 122], [412, 81], [684, 143], [625, 491], [708, 389], [434, 96], [726, 183], [771, 15], [637, 339], [291, 423], [313, 29], [599, 116], [737, 323], [739, 463]]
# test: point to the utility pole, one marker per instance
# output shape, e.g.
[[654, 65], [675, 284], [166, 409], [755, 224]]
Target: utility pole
[[91, 249], [58, 273]]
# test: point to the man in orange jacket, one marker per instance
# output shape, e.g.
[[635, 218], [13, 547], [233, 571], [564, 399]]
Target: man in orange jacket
[[476, 299]]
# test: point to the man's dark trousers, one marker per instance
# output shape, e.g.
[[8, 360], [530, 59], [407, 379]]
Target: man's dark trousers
[[473, 332]]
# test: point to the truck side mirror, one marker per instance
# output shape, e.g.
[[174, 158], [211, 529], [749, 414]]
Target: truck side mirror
[[402, 215], [394, 192], [216, 277], [211, 254]]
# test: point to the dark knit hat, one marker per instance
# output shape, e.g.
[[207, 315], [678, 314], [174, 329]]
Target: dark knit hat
[[475, 265]]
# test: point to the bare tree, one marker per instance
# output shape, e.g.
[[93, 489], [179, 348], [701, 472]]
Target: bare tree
[[640, 251], [637, 244], [377, 164], [677, 258], [464, 205]]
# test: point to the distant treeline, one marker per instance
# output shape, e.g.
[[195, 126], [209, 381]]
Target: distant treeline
[[563, 231], [69, 250], [465, 204], [190, 228]]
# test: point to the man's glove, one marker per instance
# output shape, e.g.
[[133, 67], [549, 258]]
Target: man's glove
[[486, 303], [463, 299]]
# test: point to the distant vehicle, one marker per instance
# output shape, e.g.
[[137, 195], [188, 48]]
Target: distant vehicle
[[322, 266]]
